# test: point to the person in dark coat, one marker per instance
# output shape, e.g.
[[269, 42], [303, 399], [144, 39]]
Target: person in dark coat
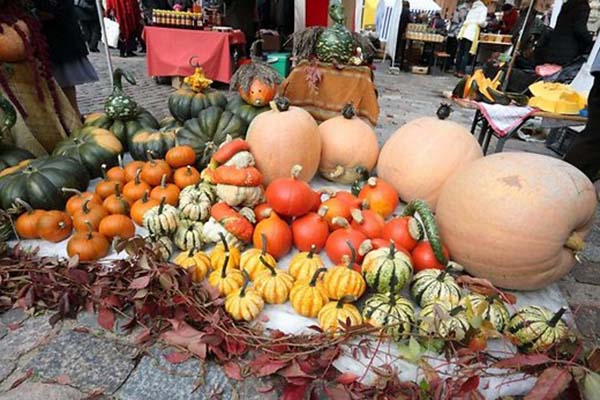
[[402, 25], [571, 38], [87, 13], [68, 51]]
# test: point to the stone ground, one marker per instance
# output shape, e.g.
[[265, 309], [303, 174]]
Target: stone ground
[[76, 359]]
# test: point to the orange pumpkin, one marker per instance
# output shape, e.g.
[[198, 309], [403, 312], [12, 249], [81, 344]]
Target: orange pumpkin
[[277, 234], [117, 173], [131, 170], [259, 93], [117, 204], [517, 219], [336, 207], [117, 225], [75, 202], [283, 137], [89, 246], [12, 47], [153, 171], [141, 206], [54, 226], [420, 156], [135, 189], [92, 214], [106, 187], [379, 196], [287, 196], [180, 156], [167, 190], [347, 144], [26, 223], [186, 176]]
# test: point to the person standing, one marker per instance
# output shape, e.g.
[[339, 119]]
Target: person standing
[[87, 13], [469, 36], [128, 15], [456, 23], [402, 25], [509, 17]]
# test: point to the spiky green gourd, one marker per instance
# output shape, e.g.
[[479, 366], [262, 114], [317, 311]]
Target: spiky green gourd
[[387, 270], [536, 328], [431, 285], [335, 43], [490, 308], [119, 105], [394, 313]]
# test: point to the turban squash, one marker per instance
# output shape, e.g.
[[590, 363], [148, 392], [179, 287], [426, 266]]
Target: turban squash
[[517, 219]]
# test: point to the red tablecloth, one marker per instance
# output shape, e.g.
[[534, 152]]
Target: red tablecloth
[[169, 51]]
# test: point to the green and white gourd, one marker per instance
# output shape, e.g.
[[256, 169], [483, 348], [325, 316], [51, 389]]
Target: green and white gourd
[[161, 220], [394, 313], [387, 270], [536, 328], [214, 232], [442, 321], [490, 308], [189, 235], [432, 285], [195, 201], [163, 247], [119, 105], [336, 42]]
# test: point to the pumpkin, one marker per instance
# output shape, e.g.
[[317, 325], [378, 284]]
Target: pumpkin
[[140, 207], [420, 156], [387, 269], [256, 81], [89, 246], [226, 280], [186, 176], [336, 246], [308, 297], [343, 280], [131, 170], [40, 183], [54, 226], [118, 105], [283, 137], [368, 222], [423, 257], [433, 285], [188, 235], [274, 284], [233, 225], [392, 312], [207, 131], [337, 314], [195, 201], [186, 103], [161, 220], [276, 232], [379, 196], [311, 231], [26, 223], [223, 250], [229, 151], [117, 225], [195, 262], [75, 202], [12, 155], [443, 321], [517, 219], [490, 308], [117, 173], [244, 304], [88, 215], [404, 231], [153, 171], [239, 186], [250, 259], [287, 196], [303, 265], [340, 138], [259, 94], [180, 156], [12, 45], [162, 247], [245, 111], [150, 143], [116, 203], [123, 129], [336, 208], [168, 191], [535, 328], [135, 189], [92, 147]]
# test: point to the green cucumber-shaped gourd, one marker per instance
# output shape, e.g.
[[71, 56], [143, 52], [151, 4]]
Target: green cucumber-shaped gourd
[[433, 235]]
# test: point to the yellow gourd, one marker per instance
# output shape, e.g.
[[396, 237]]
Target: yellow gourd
[[250, 259], [273, 284], [303, 265], [195, 262], [335, 314], [245, 303], [222, 250], [226, 280], [309, 297], [343, 280]]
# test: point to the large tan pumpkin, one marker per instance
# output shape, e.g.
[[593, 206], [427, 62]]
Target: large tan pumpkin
[[511, 218], [347, 143], [420, 156], [12, 48], [283, 137]]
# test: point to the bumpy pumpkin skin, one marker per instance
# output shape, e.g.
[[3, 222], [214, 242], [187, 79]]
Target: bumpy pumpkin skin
[[409, 162], [508, 216]]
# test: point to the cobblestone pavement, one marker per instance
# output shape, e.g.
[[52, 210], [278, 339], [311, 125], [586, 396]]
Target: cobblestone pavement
[[78, 358]]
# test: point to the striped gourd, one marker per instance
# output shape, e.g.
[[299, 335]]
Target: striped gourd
[[343, 280], [432, 285], [303, 265], [189, 235], [274, 284], [337, 314], [490, 308], [536, 328], [195, 201], [309, 297], [394, 313], [387, 270], [441, 320], [195, 262], [250, 259], [161, 220], [162, 246]]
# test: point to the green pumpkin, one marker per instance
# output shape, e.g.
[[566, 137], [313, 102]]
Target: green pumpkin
[[209, 130], [490, 308], [9, 116], [536, 328], [118, 105], [189, 235], [392, 312], [12, 155], [431, 285], [40, 183], [186, 103], [387, 270], [152, 143], [162, 247], [195, 201], [245, 111], [123, 129], [335, 43], [161, 220], [428, 221], [92, 147], [442, 321]]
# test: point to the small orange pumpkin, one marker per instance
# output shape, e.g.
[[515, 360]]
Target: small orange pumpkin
[[54, 226], [117, 173], [117, 225], [259, 93], [379, 196], [186, 176], [167, 190], [76, 201], [106, 187], [88, 213], [140, 207], [89, 246], [277, 234], [26, 223], [131, 170], [180, 156], [116, 203], [153, 171], [135, 189]]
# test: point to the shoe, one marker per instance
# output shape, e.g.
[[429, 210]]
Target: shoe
[[123, 55], [131, 54], [94, 50]]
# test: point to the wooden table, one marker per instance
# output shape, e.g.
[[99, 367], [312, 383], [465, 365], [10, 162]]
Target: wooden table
[[408, 44], [489, 44]]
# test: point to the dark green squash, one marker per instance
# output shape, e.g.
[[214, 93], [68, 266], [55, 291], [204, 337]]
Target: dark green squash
[[245, 111], [123, 129], [336, 42], [206, 132], [12, 155], [92, 147], [119, 105], [186, 103], [152, 142], [40, 183]]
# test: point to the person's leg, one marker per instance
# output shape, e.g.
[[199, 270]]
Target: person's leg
[[85, 29], [465, 56], [451, 47], [94, 35], [71, 94], [460, 54], [132, 45]]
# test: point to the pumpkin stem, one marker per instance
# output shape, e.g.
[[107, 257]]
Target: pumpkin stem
[[456, 310], [86, 206], [392, 250], [245, 284], [372, 181], [90, 229], [163, 181], [22, 203], [337, 172], [145, 196], [344, 300], [103, 172], [150, 156], [162, 205], [315, 277], [322, 211], [352, 259], [120, 160], [295, 172], [224, 241], [69, 190], [263, 245], [442, 275], [420, 207], [280, 104], [118, 190], [191, 252], [340, 221], [554, 320], [575, 242], [312, 251], [357, 216], [348, 111], [269, 266], [224, 267], [138, 174]]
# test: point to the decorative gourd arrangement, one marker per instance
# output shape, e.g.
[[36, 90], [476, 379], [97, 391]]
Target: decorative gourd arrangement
[[117, 226], [168, 191], [161, 220], [226, 280], [379, 196], [245, 303], [162, 246], [491, 308], [154, 142], [223, 251], [54, 226], [11, 156], [310, 232], [251, 262], [188, 235], [336, 43], [88, 246], [536, 328], [305, 264], [195, 201], [26, 223], [195, 262], [432, 285], [276, 233], [392, 312], [344, 280], [226, 221]]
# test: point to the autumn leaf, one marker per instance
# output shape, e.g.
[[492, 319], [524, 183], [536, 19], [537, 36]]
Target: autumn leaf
[[265, 389], [591, 385], [263, 365], [484, 287], [593, 359], [523, 360], [140, 283], [294, 392], [337, 392], [143, 336], [346, 378], [177, 357], [106, 318], [550, 384], [233, 370], [471, 384]]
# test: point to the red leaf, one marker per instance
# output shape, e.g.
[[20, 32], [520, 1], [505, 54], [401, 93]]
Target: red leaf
[[263, 365], [523, 360], [265, 389], [106, 318], [177, 358], [550, 384], [21, 379], [140, 283], [337, 392], [346, 378], [471, 384], [213, 340], [199, 349], [63, 379], [293, 392], [142, 337], [79, 276], [233, 370], [485, 287], [293, 371]]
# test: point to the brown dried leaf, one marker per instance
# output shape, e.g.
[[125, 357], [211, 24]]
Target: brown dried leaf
[[346, 378], [233, 370], [523, 360], [550, 384]]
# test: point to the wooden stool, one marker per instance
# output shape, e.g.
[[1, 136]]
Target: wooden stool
[[444, 56]]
